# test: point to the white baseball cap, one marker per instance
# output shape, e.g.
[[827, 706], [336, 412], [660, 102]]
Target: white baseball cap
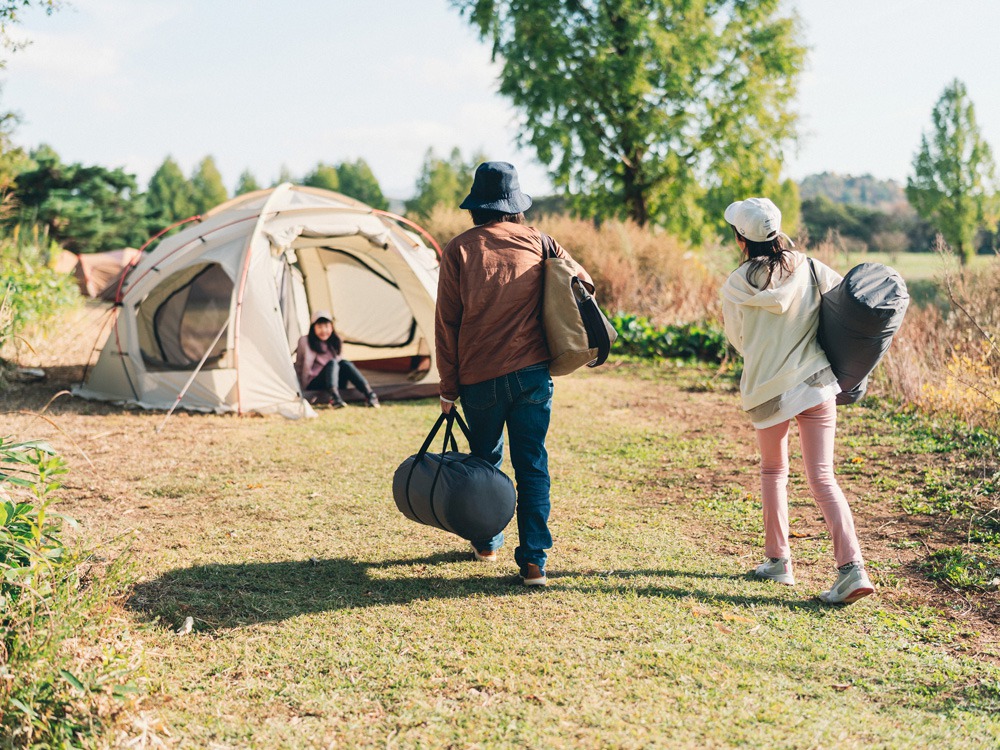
[[757, 219]]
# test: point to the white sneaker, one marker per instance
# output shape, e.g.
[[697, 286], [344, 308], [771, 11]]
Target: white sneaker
[[852, 584], [777, 569], [486, 555]]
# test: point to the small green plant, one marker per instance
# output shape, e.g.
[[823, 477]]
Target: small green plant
[[960, 569], [29, 534]]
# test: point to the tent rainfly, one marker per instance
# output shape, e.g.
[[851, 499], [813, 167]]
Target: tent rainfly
[[98, 274], [213, 314]]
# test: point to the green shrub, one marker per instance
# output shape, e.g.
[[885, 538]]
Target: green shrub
[[31, 293], [691, 341], [64, 670]]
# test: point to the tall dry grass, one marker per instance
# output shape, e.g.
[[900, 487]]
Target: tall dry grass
[[948, 360], [636, 270]]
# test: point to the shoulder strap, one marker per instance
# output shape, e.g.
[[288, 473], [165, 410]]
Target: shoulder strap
[[548, 246], [812, 270]]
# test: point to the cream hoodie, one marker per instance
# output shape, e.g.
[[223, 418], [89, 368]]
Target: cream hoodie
[[775, 328]]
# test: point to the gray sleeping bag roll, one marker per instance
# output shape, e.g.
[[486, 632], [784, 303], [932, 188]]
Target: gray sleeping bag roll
[[857, 321]]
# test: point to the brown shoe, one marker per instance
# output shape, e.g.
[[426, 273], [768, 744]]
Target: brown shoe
[[532, 575], [486, 555]]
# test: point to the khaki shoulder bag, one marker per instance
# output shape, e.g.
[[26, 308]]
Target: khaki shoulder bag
[[576, 329]]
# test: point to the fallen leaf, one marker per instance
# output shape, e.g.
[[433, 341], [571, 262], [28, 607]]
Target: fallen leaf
[[723, 628], [841, 688], [738, 618], [800, 535], [700, 611]]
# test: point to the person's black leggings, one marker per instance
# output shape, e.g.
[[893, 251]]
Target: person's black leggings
[[336, 375]]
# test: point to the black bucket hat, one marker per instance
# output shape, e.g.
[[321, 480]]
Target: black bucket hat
[[495, 188]]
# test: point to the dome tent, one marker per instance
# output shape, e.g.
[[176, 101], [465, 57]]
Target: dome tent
[[215, 311]]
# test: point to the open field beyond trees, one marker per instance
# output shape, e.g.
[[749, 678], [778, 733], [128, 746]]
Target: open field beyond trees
[[322, 618]]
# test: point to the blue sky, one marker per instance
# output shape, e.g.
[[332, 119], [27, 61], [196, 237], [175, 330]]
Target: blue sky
[[262, 85]]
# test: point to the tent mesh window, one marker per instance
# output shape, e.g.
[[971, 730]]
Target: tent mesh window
[[183, 316]]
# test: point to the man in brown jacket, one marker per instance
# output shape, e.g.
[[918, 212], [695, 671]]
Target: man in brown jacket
[[491, 351]]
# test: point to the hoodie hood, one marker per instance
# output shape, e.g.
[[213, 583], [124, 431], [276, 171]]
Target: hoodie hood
[[780, 294]]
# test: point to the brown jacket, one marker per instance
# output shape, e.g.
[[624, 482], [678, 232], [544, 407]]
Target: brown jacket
[[489, 305]]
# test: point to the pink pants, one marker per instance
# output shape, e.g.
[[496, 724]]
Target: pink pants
[[817, 427]]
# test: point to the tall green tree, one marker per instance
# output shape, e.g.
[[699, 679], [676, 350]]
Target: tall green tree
[[358, 181], [323, 176], [441, 181], [786, 198], [207, 187], [169, 197], [648, 108], [954, 184], [247, 183], [84, 208]]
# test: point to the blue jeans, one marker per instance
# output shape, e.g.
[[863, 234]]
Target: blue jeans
[[335, 375], [523, 401]]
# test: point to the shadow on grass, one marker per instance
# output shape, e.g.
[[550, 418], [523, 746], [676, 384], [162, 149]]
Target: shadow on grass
[[617, 579], [226, 596]]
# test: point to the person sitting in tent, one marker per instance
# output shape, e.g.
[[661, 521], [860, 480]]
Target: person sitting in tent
[[320, 367]]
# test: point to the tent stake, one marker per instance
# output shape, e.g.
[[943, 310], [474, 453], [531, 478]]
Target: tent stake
[[194, 374]]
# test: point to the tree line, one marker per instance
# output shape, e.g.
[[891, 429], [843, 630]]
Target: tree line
[[91, 208]]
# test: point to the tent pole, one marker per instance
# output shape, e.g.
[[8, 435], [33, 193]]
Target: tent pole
[[194, 374]]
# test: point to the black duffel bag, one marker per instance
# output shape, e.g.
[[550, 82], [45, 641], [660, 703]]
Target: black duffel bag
[[454, 491]]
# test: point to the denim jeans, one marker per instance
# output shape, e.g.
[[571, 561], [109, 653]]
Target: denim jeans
[[523, 401], [336, 374]]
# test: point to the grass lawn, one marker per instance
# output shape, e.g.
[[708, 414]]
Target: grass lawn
[[913, 267], [323, 618]]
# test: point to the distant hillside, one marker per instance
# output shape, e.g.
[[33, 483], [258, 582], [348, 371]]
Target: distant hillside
[[863, 190]]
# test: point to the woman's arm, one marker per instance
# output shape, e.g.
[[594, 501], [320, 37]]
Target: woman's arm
[[301, 361]]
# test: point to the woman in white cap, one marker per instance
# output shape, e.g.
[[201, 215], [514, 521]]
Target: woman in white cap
[[320, 366], [771, 310]]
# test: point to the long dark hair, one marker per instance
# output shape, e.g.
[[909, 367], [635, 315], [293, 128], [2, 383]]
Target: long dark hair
[[482, 216], [332, 344], [770, 255]]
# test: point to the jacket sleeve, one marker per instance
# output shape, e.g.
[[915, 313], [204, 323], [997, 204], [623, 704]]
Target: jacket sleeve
[[301, 363], [732, 315], [447, 322]]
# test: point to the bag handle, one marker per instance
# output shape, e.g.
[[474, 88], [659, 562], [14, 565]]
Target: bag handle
[[451, 418]]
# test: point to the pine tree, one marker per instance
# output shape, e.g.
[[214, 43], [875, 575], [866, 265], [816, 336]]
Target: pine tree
[[207, 188], [169, 197], [247, 184]]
